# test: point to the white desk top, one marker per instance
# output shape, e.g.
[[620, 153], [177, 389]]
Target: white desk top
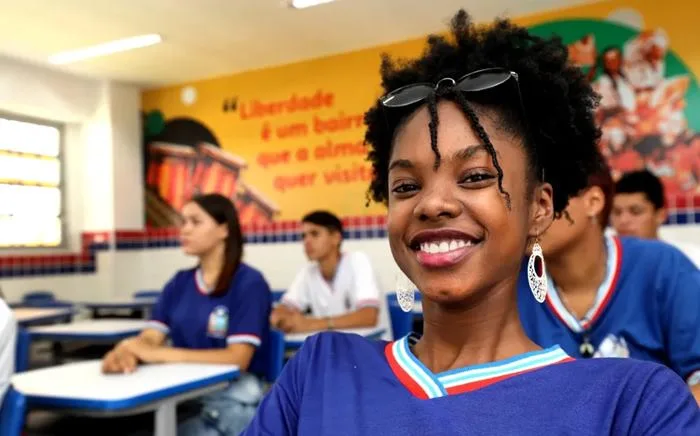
[[30, 314], [82, 385], [96, 327], [121, 303], [296, 339]]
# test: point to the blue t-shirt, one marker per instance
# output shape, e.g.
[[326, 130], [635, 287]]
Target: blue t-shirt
[[648, 307], [194, 319], [340, 384]]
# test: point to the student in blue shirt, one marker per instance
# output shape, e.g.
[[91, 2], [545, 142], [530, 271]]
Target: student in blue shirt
[[475, 147], [615, 296], [215, 313]]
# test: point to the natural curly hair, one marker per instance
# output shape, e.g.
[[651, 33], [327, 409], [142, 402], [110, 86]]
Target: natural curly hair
[[557, 125]]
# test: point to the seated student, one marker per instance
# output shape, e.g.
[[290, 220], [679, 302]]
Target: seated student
[[8, 338], [338, 289], [614, 297], [215, 313], [639, 210]]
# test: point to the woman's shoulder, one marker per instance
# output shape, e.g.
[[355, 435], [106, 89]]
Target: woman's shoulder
[[181, 276], [662, 255], [327, 338], [648, 397], [626, 377], [248, 273], [341, 357], [341, 345], [246, 269], [606, 367]]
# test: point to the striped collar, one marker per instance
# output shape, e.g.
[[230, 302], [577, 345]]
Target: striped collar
[[200, 283], [605, 291], [424, 384]]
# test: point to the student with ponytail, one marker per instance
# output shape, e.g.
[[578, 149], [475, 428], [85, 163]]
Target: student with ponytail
[[216, 312]]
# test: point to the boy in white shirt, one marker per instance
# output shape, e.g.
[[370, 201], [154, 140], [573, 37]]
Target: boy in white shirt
[[337, 290], [8, 337], [639, 210]]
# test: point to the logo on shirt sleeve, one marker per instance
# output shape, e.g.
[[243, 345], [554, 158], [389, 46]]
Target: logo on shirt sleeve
[[218, 322]]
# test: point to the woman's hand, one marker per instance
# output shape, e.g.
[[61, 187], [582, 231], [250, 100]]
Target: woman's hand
[[119, 360], [127, 354]]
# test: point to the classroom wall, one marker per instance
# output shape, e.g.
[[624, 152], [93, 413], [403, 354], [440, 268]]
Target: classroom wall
[[102, 166], [110, 253]]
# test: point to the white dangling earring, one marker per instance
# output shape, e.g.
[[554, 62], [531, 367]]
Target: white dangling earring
[[405, 293], [536, 274]]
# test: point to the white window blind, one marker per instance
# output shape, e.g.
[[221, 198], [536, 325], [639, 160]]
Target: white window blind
[[30, 184]]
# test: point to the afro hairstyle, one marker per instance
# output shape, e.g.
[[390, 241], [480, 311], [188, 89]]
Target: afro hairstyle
[[555, 122]]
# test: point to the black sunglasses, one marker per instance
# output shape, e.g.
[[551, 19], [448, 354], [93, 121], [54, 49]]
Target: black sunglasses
[[480, 80], [476, 81]]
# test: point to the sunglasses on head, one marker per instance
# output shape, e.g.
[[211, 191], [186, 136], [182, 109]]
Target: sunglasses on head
[[480, 80], [476, 81]]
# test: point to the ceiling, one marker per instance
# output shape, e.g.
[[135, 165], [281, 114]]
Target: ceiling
[[207, 38]]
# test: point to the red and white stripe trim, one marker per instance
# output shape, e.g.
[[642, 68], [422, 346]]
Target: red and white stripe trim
[[244, 339], [605, 291], [158, 325], [424, 384]]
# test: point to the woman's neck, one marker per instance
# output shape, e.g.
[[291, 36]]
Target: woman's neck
[[484, 330], [211, 265], [581, 268]]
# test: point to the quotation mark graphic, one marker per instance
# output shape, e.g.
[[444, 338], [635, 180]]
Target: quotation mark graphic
[[230, 104]]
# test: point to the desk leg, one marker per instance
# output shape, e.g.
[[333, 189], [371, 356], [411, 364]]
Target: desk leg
[[166, 419]]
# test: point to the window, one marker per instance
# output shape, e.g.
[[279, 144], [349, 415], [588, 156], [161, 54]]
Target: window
[[30, 184]]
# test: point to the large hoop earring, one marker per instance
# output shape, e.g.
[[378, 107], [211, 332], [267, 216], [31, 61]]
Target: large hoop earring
[[405, 293], [536, 274]]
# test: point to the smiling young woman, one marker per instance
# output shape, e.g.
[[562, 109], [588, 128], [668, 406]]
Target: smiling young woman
[[476, 147]]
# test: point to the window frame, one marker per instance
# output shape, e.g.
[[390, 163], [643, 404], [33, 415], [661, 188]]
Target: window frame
[[63, 244]]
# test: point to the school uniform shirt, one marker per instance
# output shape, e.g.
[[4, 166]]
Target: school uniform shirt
[[8, 338], [692, 251], [194, 319], [353, 287], [648, 307], [342, 385]]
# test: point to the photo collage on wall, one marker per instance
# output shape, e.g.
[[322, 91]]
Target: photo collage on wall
[[650, 102]]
